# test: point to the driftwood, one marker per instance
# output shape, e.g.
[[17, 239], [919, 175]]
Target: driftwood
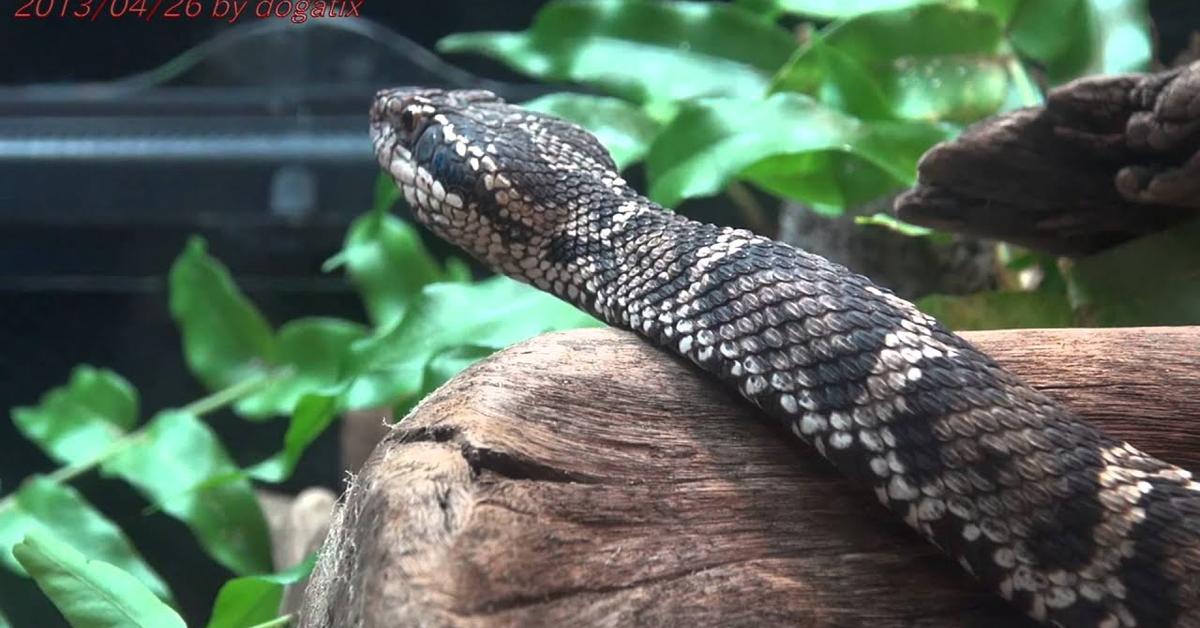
[[1106, 160], [298, 525], [584, 478]]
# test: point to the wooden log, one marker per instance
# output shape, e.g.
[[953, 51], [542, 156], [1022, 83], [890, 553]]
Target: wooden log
[[1105, 160], [584, 478]]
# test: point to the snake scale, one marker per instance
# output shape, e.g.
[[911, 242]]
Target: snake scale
[[1072, 526]]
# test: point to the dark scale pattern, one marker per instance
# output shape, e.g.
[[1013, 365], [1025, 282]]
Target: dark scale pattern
[[1074, 527]]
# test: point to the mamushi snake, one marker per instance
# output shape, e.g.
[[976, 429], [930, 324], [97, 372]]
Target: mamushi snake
[[1074, 527]]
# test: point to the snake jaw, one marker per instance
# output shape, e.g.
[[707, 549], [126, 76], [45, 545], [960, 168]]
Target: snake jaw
[[408, 132]]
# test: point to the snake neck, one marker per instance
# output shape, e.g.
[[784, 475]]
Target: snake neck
[[611, 261]]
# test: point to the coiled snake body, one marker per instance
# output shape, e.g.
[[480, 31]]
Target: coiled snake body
[[1074, 527]]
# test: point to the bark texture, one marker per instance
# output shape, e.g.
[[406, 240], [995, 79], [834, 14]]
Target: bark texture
[[584, 478], [1105, 160]]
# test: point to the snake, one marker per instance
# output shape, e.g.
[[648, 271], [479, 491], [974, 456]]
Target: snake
[[1072, 526]]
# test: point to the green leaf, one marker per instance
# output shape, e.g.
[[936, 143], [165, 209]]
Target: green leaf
[[1154, 280], [441, 369], [312, 415], [314, 351], [1002, 9], [929, 62], [1104, 36], [388, 263], [4, 623], [174, 465], [680, 50], [91, 593], [999, 310], [253, 600], [451, 362], [956, 88], [494, 313], [225, 338], [831, 9], [795, 147], [850, 87], [227, 341], [76, 422], [624, 129], [53, 509]]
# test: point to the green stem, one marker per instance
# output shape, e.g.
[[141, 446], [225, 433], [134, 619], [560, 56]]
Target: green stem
[[70, 472], [1029, 94], [234, 393], [278, 621], [199, 407]]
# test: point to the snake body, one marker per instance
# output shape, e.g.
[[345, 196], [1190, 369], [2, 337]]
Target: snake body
[[1072, 526]]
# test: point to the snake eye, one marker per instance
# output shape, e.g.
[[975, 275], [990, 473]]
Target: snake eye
[[408, 121]]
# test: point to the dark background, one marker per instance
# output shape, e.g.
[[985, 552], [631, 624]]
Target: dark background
[[85, 246], [57, 50]]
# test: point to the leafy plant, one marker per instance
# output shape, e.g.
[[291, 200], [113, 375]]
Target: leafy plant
[[91, 592], [836, 111], [429, 321]]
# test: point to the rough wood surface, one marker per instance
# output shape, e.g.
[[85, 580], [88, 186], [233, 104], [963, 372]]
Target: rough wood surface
[[584, 478], [1105, 160]]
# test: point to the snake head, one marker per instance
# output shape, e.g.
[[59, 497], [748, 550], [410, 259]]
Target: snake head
[[505, 184]]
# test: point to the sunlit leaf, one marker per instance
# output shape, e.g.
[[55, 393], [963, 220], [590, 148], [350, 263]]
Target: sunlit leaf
[[253, 600], [1002, 9], [999, 310], [849, 86], [795, 147], [624, 129], [955, 88], [493, 314], [1154, 280], [58, 510], [878, 40], [929, 62], [225, 338], [1124, 36], [387, 261], [640, 49], [173, 465], [1038, 31], [4, 623], [312, 415], [91, 593], [75, 422], [1023, 88], [313, 350], [830, 9], [1076, 37]]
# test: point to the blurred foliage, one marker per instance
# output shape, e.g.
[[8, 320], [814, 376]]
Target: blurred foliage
[[430, 321], [254, 600], [831, 115], [826, 102], [91, 593], [1154, 280], [831, 103]]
